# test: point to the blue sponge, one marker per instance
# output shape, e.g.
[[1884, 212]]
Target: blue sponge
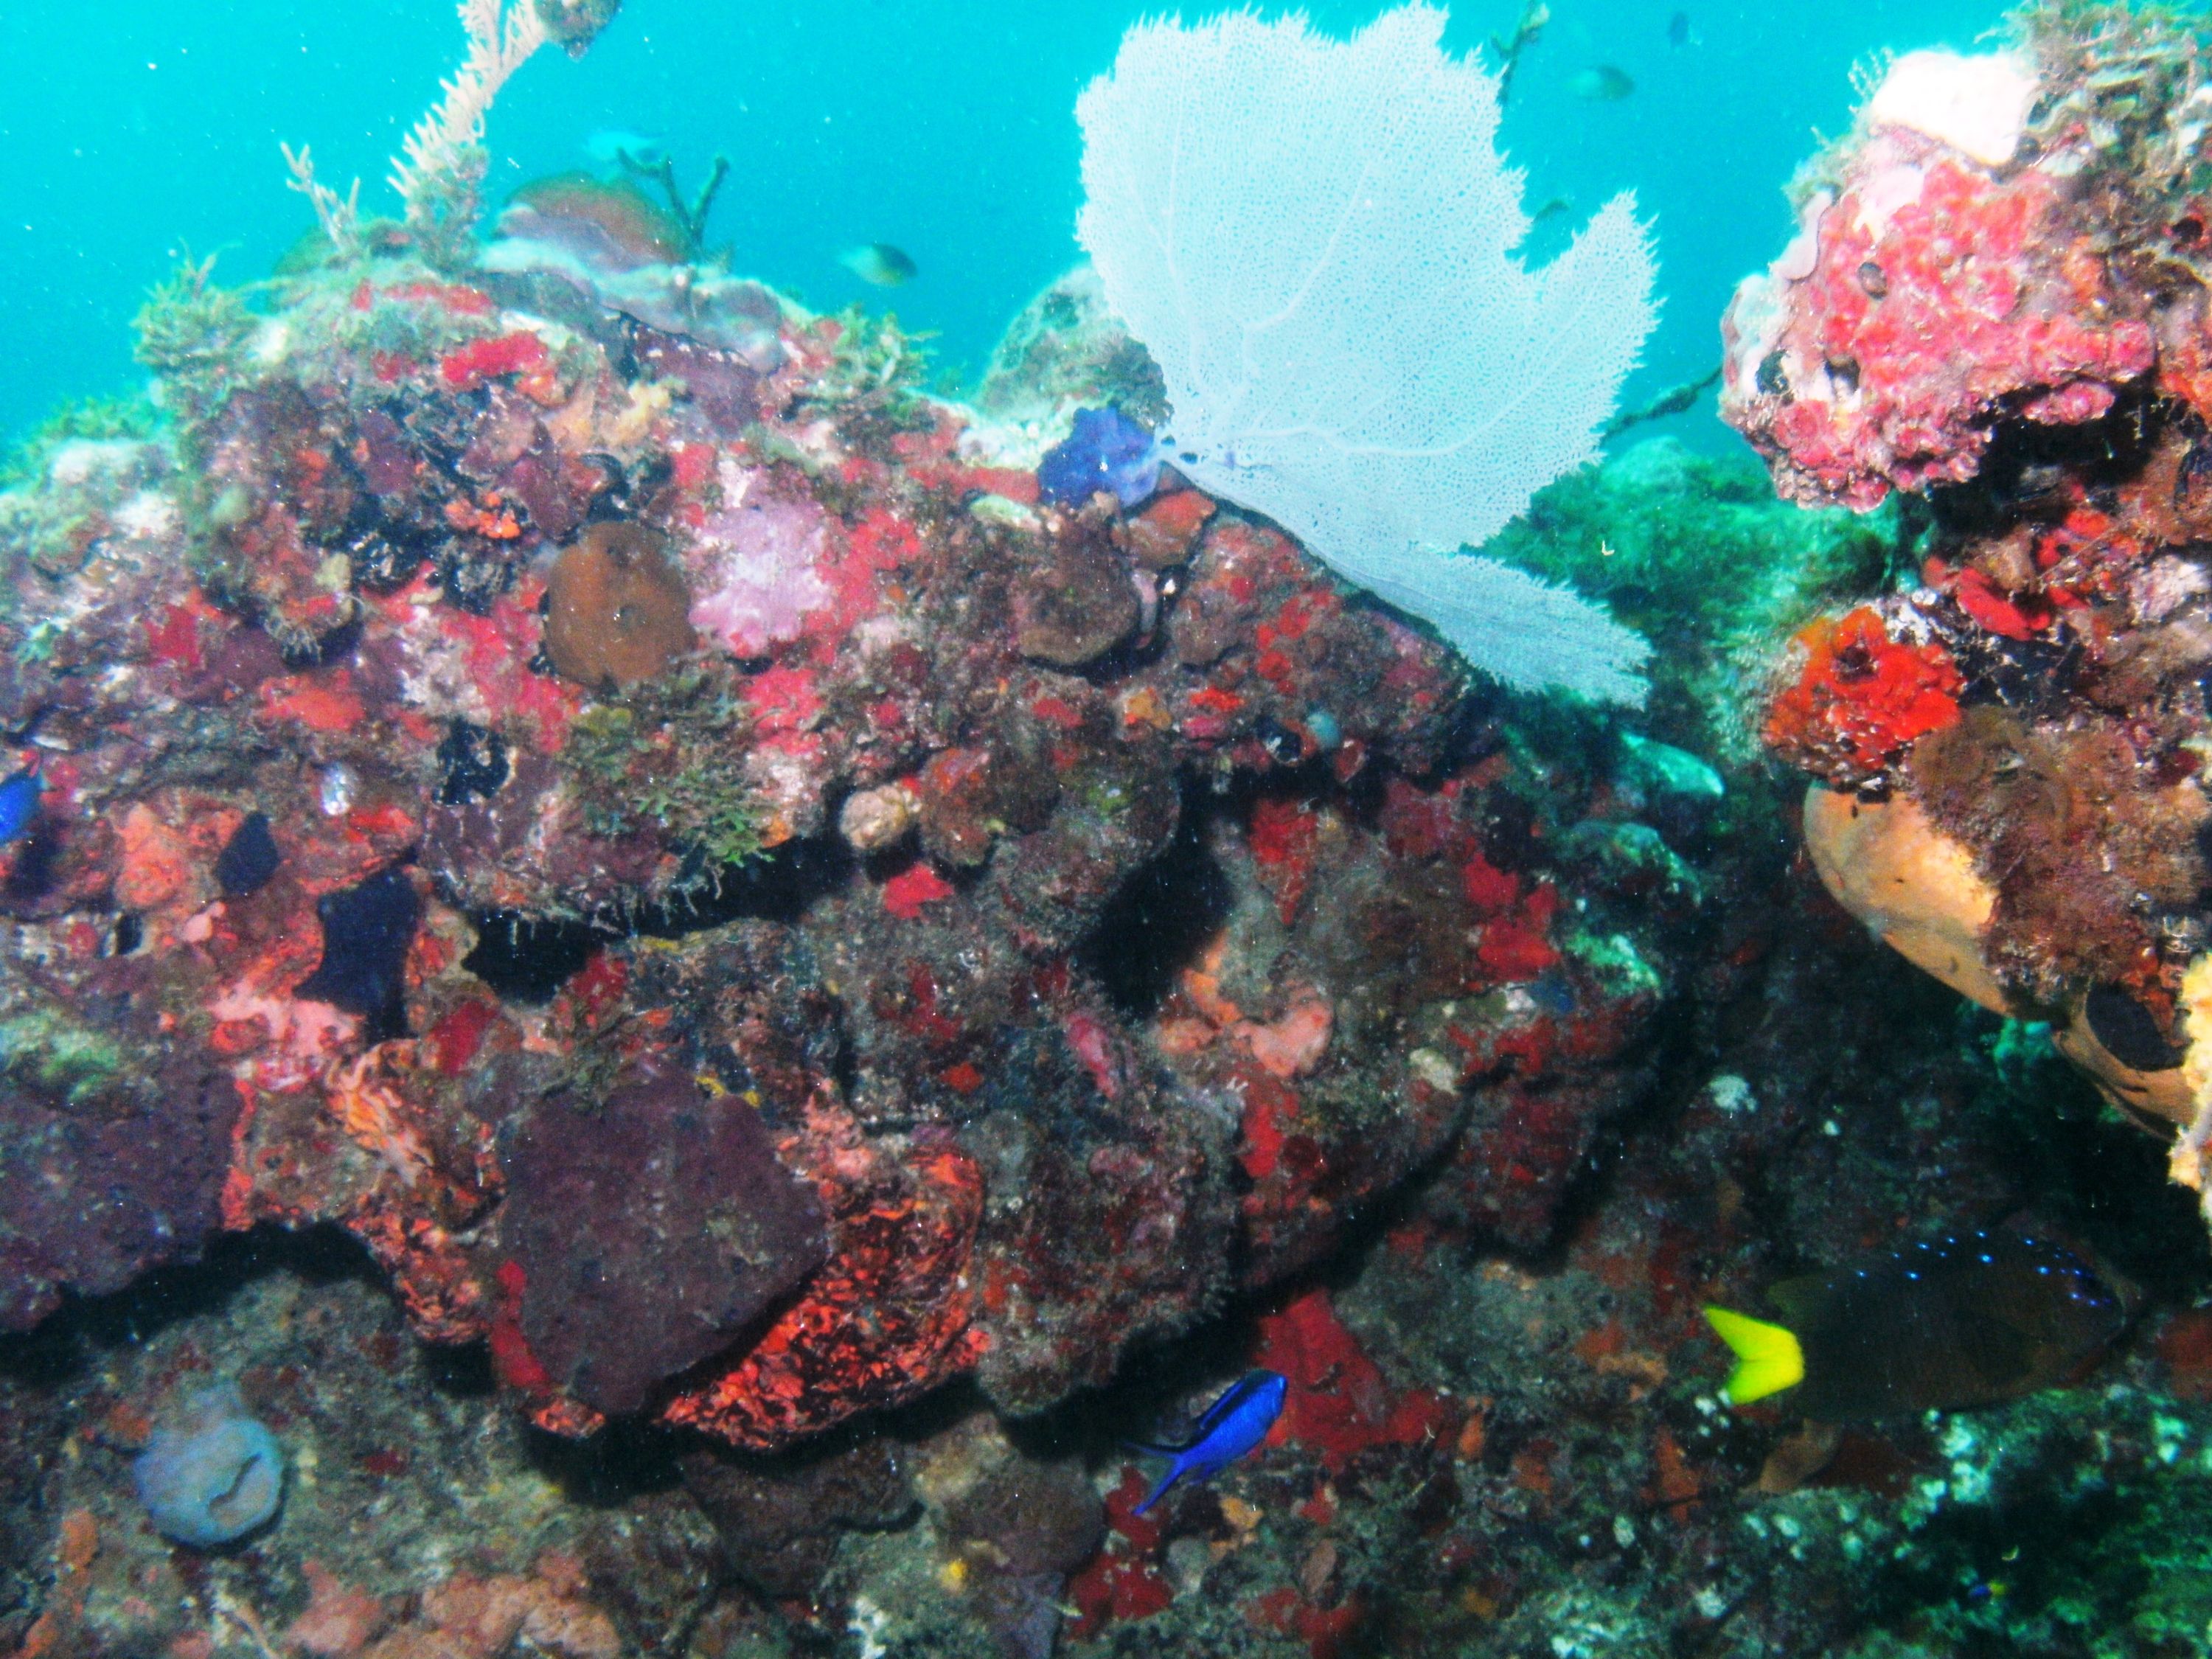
[[1108, 451], [213, 1473]]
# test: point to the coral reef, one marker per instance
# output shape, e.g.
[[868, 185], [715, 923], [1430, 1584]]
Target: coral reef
[[657, 842], [705, 990], [1995, 302]]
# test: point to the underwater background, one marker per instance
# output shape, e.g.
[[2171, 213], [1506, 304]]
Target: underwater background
[[680, 977], [946, 129]]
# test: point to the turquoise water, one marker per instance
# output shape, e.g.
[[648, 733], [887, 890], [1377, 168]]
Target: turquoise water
[[943, 126]]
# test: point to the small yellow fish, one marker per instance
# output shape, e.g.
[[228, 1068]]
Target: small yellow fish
[[879, 263], [1601, 84]]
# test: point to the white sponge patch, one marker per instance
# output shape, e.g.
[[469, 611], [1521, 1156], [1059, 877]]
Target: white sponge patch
[[1978, 106]]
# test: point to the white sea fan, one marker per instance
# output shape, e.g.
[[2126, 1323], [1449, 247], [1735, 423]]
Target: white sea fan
[[501, 36], [1314, 238]]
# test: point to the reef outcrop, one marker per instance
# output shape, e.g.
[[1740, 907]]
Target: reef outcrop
[[736, 901], [2008, 318]]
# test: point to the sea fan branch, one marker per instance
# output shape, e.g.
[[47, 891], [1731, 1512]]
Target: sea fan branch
[[441, 164]]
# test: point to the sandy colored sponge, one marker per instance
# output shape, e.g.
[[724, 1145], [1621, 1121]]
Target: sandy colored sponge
[[1917, 889], [1913, 885]]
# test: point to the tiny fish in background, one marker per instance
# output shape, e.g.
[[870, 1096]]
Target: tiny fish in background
[[1678, 30], [1106, 451], [879, 263], [612, 147], [19, 798], [1968, 1319], [1232, 1425], [1601, 84]]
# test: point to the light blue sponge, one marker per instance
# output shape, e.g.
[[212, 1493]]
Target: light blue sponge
[[213, 1473]]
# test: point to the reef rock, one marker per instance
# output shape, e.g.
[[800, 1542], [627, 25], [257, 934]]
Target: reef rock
[[647, 1229], [660, 832]]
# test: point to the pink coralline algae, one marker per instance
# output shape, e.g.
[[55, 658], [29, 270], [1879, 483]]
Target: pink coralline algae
[[763, 556], [1925, 301]]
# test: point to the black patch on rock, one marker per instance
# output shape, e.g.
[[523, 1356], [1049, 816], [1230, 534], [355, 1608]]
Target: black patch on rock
[[527, 959], [93, 1195], [249, 858], [31, 874], [367, 930], [2129, 1030], [652, 1228], [471, 763]]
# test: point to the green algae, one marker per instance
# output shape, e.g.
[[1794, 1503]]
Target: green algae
[[191, 334], [2071, 1522], [1698, 555], [45, 1046], [96, 420], [54, 522], [670, 755], [1612, 958], [875, 380]]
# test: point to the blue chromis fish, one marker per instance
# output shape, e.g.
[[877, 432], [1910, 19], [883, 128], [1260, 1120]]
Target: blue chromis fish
[[1966, 1319], [880, 263], [1601, 83], [19, 798], [1231, 1426]]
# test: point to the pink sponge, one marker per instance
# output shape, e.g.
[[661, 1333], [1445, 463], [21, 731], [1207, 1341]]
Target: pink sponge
[[1934, 299], [760, 580]]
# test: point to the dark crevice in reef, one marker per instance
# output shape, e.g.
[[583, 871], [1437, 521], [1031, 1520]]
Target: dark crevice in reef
[[62, 1346], [2032, 467], [778, 886], [31, 875], [527, 959], [1163, 916], [623, 1462]]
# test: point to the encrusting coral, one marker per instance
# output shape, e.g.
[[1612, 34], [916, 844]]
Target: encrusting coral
[[1998, 301]]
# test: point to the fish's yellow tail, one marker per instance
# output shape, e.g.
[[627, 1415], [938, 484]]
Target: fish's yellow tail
[[1768, 1358]]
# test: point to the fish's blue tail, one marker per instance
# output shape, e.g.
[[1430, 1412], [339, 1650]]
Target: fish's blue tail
[[1175, 1472]]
